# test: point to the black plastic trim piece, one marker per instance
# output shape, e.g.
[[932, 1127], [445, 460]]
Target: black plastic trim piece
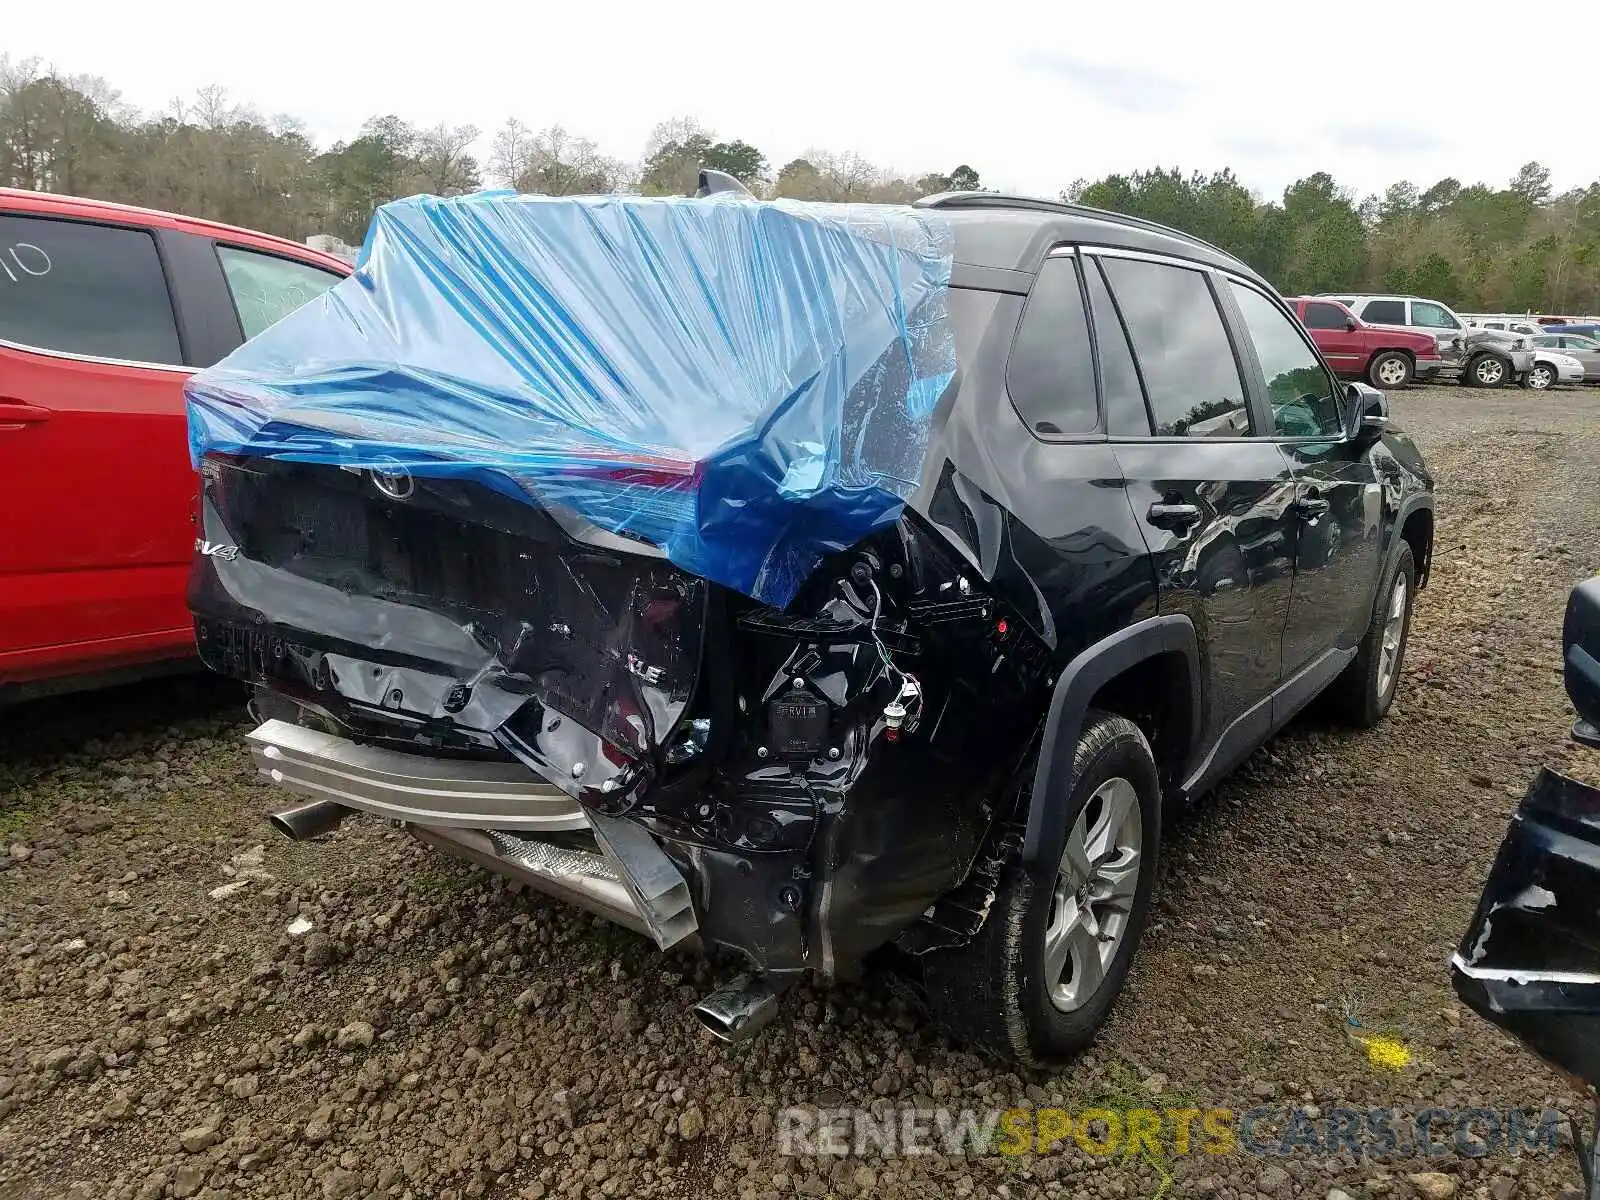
[[1413, 503], [976, 277], [207, 320], [1083, 677]]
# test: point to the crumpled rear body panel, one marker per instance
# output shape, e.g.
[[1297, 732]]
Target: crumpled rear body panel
[[457, 621]]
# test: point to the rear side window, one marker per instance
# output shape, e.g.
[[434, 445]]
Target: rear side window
[[1182, 347], [1051, 372], [267, 288], [76, 288], [1384, 312], [1126, 415], [1325, 316]]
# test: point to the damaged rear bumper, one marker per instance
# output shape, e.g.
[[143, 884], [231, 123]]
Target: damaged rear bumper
[[491, 814]]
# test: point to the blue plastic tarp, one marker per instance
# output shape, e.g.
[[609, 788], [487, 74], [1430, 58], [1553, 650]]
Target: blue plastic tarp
[[746, 384]]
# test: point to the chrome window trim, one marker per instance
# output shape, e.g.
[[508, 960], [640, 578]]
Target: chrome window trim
[[176, 368]]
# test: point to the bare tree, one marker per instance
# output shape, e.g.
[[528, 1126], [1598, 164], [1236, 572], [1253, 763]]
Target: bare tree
[[211, 108], [509, 154], [679, 130], [553, 161], [23, 154], [446, 167]]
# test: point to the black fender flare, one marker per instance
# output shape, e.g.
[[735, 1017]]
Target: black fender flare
[[1411, 504], [1077, 684]]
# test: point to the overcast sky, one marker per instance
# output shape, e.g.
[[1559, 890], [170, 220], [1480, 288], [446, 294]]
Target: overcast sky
[[1032, 94]]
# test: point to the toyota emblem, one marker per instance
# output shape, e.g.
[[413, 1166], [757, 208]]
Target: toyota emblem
[[394, 482]]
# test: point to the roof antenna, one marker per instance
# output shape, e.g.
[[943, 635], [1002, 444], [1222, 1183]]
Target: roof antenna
[[712, 182]]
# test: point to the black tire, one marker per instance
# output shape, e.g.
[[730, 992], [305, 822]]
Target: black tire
[[1361, 695], [992, 993], [1546, 377], [1386, 363], [1487, 370]]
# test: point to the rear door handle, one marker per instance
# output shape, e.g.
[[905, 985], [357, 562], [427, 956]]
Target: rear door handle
[[1176, 517], [15, 412]]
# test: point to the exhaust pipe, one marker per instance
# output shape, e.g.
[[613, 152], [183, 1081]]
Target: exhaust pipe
[[741, 1010], [307, 821]]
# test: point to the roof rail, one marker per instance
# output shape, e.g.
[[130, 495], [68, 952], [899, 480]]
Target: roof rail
[[990, 200], [1036, 204]]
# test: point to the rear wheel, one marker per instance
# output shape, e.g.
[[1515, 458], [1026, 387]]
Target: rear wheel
[[1363, 693], [1040, 977], [1390, 369], [1540, 376], [1488, 370]]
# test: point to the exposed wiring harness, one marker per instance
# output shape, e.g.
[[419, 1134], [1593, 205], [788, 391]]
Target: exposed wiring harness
[[905, 710]]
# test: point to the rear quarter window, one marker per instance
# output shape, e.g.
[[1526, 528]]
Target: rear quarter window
[[1050, 374], [85, 289]]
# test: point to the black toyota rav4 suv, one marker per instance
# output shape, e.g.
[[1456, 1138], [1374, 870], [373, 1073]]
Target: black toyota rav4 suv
[[1151, 526]]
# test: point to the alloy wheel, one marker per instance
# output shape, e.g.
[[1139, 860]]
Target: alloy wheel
[[1094, 891], [1490, 372], [1540, 378], [1394, 628]]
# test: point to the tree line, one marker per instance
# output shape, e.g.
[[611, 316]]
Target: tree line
[[1473, 246]]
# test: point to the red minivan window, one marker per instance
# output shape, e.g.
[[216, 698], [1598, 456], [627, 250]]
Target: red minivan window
[[79, 288], [266, 288]]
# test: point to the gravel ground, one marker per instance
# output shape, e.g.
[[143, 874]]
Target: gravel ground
[[436, 1035]]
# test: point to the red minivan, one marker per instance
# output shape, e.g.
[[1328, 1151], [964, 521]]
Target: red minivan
[[105, 310]]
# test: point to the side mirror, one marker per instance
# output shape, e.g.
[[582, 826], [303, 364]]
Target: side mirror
[[1366, 412], [1350, 325]]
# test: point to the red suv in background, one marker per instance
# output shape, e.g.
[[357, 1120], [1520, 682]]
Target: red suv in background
[[1384, 357], [105, 310]]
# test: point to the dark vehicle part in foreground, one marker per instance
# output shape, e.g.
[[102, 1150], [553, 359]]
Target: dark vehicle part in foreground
[[1530, 960], [1075, 518]]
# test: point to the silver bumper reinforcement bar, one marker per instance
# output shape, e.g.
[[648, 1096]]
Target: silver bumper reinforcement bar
[[486, 813], [411, 787]]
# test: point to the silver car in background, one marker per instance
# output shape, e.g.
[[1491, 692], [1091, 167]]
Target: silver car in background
[[1575, 345]]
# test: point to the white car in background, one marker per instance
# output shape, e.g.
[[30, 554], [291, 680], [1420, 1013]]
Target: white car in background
[[1551, 367], [1524, 326]]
